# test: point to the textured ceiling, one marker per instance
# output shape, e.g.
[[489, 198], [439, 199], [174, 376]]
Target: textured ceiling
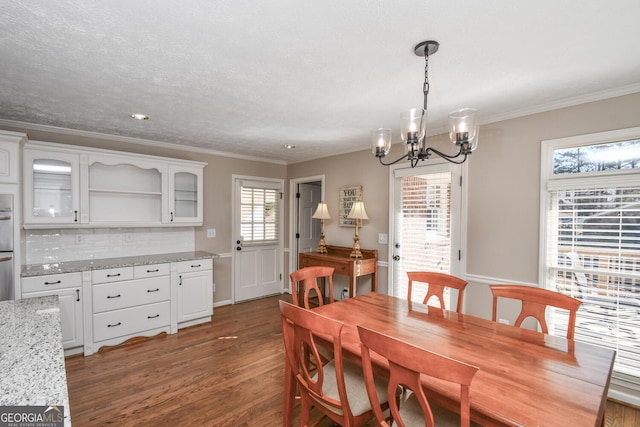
[[246, 77]]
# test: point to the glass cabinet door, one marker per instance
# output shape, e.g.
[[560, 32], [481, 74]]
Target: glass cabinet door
[[51, 188], [185, 194]]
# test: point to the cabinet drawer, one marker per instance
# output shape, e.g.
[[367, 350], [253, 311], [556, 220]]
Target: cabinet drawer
[[154, 270], [114, 296], [51, 282], [195, 265], [128, 321], [111, 275]]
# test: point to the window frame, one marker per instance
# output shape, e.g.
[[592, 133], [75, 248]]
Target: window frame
[[624, 387]]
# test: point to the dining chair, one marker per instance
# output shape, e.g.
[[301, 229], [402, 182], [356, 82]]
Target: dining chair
[[534, 304], [335, 388], [437, 283], [409, 367], [304, 283]]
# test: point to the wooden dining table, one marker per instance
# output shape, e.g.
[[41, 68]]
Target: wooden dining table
[[525, 378]]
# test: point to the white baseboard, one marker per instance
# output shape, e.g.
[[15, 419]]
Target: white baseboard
[[221, 303]]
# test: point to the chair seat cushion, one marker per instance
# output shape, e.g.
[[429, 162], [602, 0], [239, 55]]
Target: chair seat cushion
[[354, 383], [412, 415]]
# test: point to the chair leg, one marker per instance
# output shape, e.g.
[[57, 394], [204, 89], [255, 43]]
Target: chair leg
[[305, 411]]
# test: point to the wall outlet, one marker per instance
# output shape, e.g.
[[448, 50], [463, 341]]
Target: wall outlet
[[128, 237], [79, 238], [345, 293], [383, 238], [211, 232]]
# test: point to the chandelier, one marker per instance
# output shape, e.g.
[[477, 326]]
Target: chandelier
[[463, 126]]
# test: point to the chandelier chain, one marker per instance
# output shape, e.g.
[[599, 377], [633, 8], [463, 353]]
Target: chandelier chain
[[425, 86]]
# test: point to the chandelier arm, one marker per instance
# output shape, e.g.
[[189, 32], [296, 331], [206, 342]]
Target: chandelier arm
[[394, 162], [448, 157]]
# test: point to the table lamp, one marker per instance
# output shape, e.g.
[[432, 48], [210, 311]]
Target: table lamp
[[321, 213], [358, 213]]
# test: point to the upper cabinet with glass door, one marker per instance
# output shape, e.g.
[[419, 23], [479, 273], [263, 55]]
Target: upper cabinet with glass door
[[52, 186], [185, 194], [72, 186]]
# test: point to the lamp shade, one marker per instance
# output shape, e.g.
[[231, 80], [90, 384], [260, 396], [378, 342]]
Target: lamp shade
[[357, 211], [322, 212]]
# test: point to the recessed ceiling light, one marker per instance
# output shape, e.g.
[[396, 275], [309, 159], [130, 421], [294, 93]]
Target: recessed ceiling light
[[139, 116], [289, 146]]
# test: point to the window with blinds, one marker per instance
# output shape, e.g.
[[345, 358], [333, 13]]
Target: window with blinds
[[259, 215], [423, 226], [593, 245]]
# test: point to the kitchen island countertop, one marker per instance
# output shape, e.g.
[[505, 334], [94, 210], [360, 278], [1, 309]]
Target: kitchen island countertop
[[32, 369]]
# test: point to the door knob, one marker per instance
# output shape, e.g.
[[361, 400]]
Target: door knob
[[396, 257]]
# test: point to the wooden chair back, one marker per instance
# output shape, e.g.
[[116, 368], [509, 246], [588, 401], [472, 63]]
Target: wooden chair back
[[407, 365], [534, 304], [437, 283], [304, 283], [303, 331]]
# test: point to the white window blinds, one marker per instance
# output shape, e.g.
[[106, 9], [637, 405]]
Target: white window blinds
[[423, 226], [259, 214], [595, 257]]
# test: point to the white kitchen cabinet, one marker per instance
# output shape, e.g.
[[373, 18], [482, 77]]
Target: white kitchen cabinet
[[185, 194], [194, 292], [68, 288], [128, 302], [71, 186], [51, 187], [9, 155]]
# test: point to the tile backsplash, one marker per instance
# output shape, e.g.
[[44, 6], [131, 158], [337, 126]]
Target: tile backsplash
[[60, 245]]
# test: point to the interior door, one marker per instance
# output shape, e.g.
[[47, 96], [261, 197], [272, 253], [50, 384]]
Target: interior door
[[426, 224], [257, 224], [308, 228]]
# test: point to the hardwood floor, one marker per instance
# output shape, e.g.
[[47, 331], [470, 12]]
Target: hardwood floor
[[225, 373]]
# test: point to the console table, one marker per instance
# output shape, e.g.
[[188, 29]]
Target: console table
[[338, 258]]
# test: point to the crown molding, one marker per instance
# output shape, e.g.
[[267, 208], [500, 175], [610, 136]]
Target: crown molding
[[564, 103], [26, 126]]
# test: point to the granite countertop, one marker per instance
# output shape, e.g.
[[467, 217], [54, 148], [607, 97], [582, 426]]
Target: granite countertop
[[104, 263], [32, 370]]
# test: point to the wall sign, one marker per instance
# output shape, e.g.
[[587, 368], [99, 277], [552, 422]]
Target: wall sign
[[346, 197]]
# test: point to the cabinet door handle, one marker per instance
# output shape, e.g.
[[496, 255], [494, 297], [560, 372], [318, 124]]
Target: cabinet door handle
[[114, 325], [153, 290], [180, 282], [196, 266], [153, 271], [171, 216], [113, 275], [114, 296], [153, 317], [75, 214], [57, 282], [77, 294]]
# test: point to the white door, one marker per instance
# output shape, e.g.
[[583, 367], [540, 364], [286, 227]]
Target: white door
[[308, 228], [426, 223], [257, 225]]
